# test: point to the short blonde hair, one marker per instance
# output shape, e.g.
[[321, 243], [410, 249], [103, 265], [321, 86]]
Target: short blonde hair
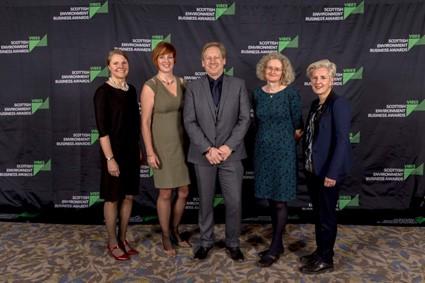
[[324, 63], [217, 44], [288, 75]]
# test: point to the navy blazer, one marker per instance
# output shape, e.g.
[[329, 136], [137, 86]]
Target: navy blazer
[[331, 144]]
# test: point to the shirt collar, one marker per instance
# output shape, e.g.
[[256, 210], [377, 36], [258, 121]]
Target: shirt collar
[[218, 80]]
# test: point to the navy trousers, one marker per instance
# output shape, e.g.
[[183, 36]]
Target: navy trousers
[[324, 201]]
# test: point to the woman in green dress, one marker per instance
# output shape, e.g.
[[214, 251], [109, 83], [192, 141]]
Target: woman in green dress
[[277, 107], [161, 100]]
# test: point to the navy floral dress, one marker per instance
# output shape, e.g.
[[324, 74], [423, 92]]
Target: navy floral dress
[[277, 117]]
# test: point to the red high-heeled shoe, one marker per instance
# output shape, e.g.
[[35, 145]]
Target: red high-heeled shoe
[[124, 256], [125, 246]]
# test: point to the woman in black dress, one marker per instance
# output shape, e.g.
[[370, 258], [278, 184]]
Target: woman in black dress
[[117, 118]]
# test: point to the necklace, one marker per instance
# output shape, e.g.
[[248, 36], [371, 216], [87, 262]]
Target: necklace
[[123, 86], [165, 81]]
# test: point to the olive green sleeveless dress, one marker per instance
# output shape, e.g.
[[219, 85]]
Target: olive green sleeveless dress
[[167, 136]]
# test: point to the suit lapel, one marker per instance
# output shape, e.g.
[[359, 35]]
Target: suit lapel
[[208, 96], [225, 92]]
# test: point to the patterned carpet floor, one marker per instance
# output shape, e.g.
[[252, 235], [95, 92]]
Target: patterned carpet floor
[[32, 252]]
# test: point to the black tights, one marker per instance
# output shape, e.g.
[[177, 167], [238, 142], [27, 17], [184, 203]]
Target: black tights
[[279, 215]]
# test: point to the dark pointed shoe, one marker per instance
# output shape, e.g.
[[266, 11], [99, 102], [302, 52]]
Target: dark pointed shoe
[[309, 258], [263, 253], [267, 260], [202, 253], [317, 267], [235, 253]]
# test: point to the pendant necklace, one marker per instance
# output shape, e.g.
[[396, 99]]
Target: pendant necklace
[[170, 82]]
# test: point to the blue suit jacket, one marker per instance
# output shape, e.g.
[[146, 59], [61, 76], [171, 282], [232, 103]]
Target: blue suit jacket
[[331, 144]]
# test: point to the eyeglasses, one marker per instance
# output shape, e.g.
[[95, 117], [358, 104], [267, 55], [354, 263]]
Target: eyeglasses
[[271, 69]]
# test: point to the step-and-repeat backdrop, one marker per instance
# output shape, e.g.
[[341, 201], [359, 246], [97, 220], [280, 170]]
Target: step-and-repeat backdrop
[[52, 56]]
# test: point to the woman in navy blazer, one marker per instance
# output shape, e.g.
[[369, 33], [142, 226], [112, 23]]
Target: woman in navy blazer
[[327, 153]]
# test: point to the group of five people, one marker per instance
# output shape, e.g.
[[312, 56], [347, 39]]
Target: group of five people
[[215, 113]]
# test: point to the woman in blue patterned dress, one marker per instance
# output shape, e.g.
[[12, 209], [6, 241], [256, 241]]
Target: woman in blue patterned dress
[[279, 122]]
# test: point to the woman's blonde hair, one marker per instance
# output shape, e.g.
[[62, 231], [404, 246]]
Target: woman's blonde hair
[[288, 75], [324, 63]]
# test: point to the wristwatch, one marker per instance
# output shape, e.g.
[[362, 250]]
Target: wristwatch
[[109, 158]]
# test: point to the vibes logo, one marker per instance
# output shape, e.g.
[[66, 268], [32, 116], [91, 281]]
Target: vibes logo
[[414, 105], [218, 200], [94, 197], [267, 46], [415, 40], [206, 14], [28, 170], [24, 46], [411, 169], [352, 74], [80, 139], [79, 13], [353, 8], [348, 201], [83, 76], [40, 165], [336, 13], [224, 10], [26, 108], [287, 42], [355, 138], [398, 110], [400, 45], [397, 174], [144, 44]]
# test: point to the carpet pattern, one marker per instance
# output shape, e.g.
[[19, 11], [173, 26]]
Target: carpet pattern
[[32, 252]]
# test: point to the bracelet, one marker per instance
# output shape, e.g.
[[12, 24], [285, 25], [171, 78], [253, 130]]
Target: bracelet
[[109, 158]]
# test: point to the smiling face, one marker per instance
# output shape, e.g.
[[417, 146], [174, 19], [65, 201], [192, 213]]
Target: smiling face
[[321, 81], [213, 62], [166, 63], [118, 67], [273, 71]]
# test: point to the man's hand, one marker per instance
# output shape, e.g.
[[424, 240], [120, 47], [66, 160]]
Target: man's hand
[[213, 156], [224, 151]]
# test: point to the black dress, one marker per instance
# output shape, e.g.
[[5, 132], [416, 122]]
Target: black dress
[[117, 115]]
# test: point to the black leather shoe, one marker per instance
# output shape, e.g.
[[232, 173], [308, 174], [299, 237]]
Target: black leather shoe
[[202, 253], [317, 267], [235, 253], [263, 253], [306, 259], [267, 260]]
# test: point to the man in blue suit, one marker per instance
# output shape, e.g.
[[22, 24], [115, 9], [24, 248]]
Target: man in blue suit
[[327, 151]]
